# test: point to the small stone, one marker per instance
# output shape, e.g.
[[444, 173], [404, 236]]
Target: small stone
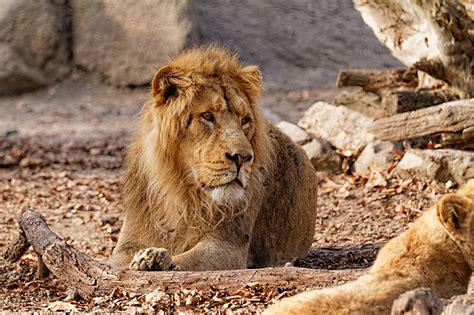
[[298, 135], [376, 156], [450, 184], [323, 157], [441, 165]]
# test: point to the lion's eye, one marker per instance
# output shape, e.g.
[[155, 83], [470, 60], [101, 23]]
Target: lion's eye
[[245, 120], [209, 117]]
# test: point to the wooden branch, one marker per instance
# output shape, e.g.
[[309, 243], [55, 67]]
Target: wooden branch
[[377, 81], [16, 248], [89, 276], [448, 117], [464, 138], [405, 101]]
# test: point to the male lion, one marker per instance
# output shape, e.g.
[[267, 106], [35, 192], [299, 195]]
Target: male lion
[[210, 184], [436, 252]]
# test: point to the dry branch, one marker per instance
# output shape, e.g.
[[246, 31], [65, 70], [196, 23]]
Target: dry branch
[[452, 117], [89, 276], [378, 81]]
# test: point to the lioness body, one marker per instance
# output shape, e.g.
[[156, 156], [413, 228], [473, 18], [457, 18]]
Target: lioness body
[[208, 178], [436, 252]]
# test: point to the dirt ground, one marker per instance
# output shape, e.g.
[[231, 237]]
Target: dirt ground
[[61, 152]]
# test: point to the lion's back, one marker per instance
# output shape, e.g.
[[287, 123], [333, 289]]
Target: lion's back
[[285, 226]]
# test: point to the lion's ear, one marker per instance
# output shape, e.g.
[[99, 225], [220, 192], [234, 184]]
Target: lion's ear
[[167, 82], [251, 80], [453, 211]]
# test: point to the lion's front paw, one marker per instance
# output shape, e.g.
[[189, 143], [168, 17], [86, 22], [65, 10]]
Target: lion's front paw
[[153, 259]]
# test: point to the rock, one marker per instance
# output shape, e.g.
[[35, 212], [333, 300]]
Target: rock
[[323, 157], [15, 75], [376, 156], [305, 46], [461, 304], [442, 165], [60, 306], [345, 129], [298, 135], [34, 44], [125, 41]]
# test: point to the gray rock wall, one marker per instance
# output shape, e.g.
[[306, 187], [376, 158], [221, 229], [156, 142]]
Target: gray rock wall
[[125, 41], [34, 41], [298, 43]]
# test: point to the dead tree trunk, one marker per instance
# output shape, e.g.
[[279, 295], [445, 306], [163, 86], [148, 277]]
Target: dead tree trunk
[[436, 36], [89, 276]]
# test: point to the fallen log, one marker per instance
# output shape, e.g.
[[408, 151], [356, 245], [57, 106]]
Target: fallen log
[[452, 117], [405, 101], [89, 276], [378, 81]]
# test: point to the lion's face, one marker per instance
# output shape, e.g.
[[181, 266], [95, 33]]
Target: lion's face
[[216, 143], [456, 213], [207, 131]]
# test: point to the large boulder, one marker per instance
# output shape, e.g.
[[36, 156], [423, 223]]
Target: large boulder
[[125, 41], [34, 44], [345, 129], [442, 165]]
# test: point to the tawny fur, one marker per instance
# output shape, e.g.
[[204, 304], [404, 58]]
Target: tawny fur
[[204, 107], [436, 252]]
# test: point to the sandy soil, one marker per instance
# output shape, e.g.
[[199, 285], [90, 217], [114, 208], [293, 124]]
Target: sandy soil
[[61, 152]]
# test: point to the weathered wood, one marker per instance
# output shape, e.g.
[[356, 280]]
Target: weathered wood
[[449, 117], [17, 247], [378, 81], [405, 101], [462, 139], [89, 276], [433, 36]]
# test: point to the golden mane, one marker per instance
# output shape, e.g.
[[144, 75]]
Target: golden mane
[[155, 179]]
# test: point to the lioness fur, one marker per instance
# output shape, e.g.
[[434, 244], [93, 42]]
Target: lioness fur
[[436, 252], [208, 178]]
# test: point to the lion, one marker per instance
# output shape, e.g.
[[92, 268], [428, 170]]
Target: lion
[[210, 184], [436, 252]]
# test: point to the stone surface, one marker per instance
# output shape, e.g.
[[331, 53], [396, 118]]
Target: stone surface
[[345, 129], [34, 40], [125, 41], [298, 44], [15, 75], [298, 135], [442, 165], [376, 156], [323, 157]]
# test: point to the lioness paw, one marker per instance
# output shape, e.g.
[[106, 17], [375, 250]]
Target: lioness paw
[[153, 259]]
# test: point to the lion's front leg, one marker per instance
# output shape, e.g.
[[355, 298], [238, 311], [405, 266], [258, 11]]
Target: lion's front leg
[[213, 254], [153, 259]]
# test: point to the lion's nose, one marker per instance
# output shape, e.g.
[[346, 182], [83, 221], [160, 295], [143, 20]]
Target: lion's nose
[[240, 157]]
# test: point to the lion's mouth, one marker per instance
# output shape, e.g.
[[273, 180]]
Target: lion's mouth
[[238, 180], [235, 181]]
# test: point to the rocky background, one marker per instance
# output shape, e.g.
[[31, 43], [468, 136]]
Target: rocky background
[[298, 44]]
